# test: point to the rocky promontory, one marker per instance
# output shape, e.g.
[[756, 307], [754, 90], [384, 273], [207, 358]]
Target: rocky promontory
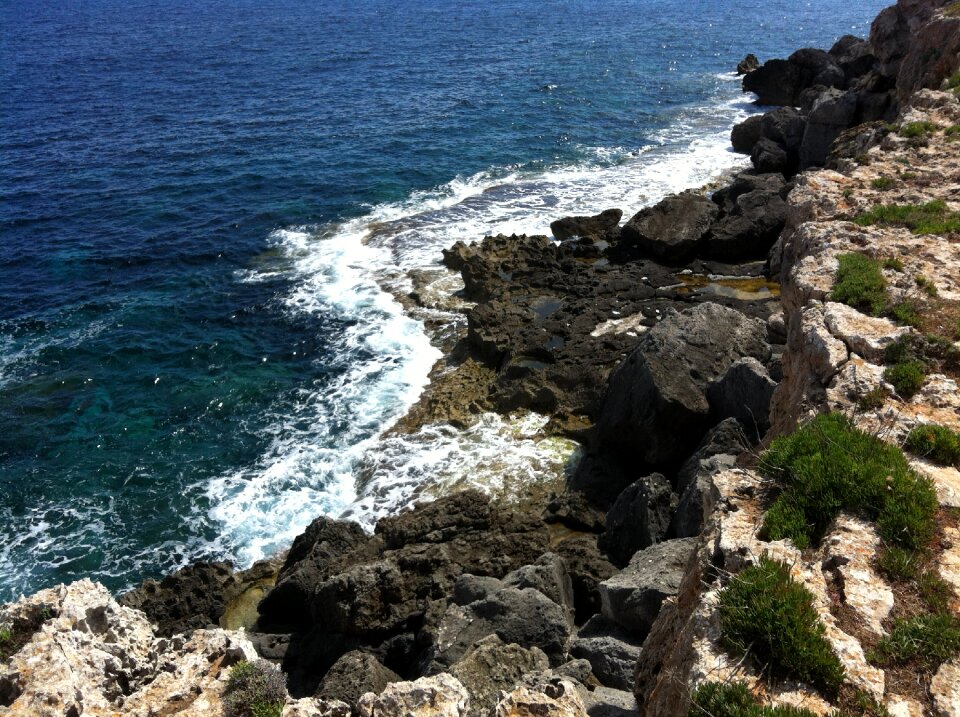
[[764, 518]]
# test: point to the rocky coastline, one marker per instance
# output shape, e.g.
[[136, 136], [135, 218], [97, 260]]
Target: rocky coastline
[[676, 348]]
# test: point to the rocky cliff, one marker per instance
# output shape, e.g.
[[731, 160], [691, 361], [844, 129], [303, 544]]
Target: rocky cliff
[[781, 327]]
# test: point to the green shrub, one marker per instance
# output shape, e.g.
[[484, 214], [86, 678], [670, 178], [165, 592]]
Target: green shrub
[[928, 639], [953, 10], [882, 183], [828, 466], [908, 176], [254, 689], [734, 699], [859, 283], [917, 129], [906, 378], [898, 564], [892, 262], [930, 218], [906, 313], [873, 400], [764, 612], [938, 443]]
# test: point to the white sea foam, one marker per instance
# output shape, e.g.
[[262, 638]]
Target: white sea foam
[[329, 454]]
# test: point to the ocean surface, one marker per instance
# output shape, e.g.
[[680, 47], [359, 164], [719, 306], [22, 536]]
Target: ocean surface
[[201, 204]]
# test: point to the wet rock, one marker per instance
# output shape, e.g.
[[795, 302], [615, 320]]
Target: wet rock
[[780, 82], [595, 226], [748, 64], [662, 383], [639, 517], [672, 229], [353, 675], [745, 135], [750, 181], [744, 392], [549, 576], [439, 696], [588, 568], [611, 651], [314, 556], [491, 667], [524, 617], [633, 597]]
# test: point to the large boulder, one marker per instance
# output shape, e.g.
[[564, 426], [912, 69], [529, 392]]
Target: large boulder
[[632, 598], [854, 55], [439, 696], [548, 575], [672, 229], [313, 557], [594, 226], [831, 113], [780, 82], [492, 666], [748, 64], [745, 135], [611, 651], [770, 156], [744, 392], [750, 228], [639, 517], [353, 675], [656, 411], [588, 567]]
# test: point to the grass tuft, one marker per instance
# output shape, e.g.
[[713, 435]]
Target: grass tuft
[[765, 613], [917, 129], [828, 466], [892, 262], [938, 443], [734, 699], [883, 183], [928, 639], [859, 283], [930, 218]]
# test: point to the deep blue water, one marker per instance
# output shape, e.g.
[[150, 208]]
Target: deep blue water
[[195, 354]]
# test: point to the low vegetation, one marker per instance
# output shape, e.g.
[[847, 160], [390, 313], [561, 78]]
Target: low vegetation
[[254, 689], [938, 443], [906, 377], [893, 263], [930, 218], [929, 640], [859, 283], [925, 285], [917, 129], [765, 613], [883, 183], [906, 313], [873, 399], [734, 699], [828, 466]]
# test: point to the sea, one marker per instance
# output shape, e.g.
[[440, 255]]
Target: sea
[[210, 211]]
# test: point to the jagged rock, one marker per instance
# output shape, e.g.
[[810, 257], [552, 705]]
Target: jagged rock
[[831, 114], [524, 617], [598, 225], [548, 575], [633, 597], [558, 698], [748, 64], [574, 510], [661, 385], [867, 336], [745, 135], [933, 56], [744, 392], [353, 675], [611, 651], [193, 597], [854, 55], [750, 227], [639, 517], [769, 156], [785, 126], [945, 689], [312, 707], [606, 702], [491, 667], [313, 557], [745, 182], [588, 568], [439, 696], [780, 82], [672, 229]]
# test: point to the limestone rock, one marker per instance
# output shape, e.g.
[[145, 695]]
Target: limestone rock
[[312, 707], [559, 698], [633, 597], [491, 667], [588, 568], [439, 696], [945, 689], [607, 702], [639, 517]]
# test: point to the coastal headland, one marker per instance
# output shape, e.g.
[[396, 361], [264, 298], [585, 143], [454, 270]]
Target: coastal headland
[[764, 516]]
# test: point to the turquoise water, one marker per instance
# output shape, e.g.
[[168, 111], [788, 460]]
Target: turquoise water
[[201, 202]]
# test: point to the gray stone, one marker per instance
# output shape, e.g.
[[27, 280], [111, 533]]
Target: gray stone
[[548, 575], [633, 597], [353, 675], [588, 568], [490, 666], [744, 392], [639, 517], [586, 226], [746, 134], [672, 229], [611, 651], [769, 156], [606, 702], [832, 113]]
